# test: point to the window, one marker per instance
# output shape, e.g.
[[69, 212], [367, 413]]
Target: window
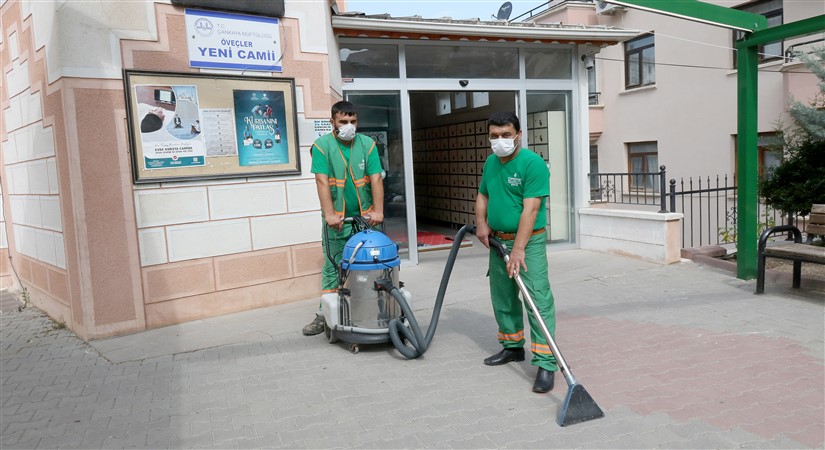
[[592, 92], [770, 152], [639, 62], [772, 10], [643, 158], [548, 63], [458, 61], [769, 159], [594, 169], [369, 60]]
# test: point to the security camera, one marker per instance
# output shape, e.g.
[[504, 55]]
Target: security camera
[[589, 61], [463, 83]]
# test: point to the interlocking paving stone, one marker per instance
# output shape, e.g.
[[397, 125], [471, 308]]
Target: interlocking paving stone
[[677, 356]]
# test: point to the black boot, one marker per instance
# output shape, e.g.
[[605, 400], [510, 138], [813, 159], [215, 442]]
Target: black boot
[[505, 356], [544, 381], [314, 327]]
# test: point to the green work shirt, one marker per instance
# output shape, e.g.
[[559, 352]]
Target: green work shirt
[[373, 166], [507, 185]]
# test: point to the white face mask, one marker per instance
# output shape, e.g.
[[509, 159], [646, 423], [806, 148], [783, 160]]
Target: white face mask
[[503, 147], [346, 132]]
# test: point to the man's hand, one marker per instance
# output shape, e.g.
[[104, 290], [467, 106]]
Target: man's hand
[[374, 218], [334, 221], [516, 261], [483, 233]]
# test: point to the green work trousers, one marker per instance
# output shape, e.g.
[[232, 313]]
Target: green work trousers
[[336, 240], [507, 306]]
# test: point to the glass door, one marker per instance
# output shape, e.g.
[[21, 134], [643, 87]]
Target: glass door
[[379, 117], [548, 131]]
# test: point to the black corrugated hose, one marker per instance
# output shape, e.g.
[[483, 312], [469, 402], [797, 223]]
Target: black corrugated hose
[[412, 333]]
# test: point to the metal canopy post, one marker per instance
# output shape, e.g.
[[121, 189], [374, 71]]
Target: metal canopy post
[[747, 147], [747, 201]]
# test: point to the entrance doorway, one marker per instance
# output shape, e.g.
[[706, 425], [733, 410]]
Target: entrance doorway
[[433, 144], [449, 147]]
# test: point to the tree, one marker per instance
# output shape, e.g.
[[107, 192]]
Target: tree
[[799, 180]]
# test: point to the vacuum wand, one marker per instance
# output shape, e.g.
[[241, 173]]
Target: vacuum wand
[[578, 405], [502, 251]]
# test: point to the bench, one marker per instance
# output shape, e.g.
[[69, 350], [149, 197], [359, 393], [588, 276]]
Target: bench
[[796, 252]]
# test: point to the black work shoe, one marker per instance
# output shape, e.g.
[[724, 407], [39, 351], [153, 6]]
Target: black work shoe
[[505, 356], [544, 381], [314, 327]]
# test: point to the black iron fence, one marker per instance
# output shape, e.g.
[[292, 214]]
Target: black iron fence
[[633, 188], [708, 205]]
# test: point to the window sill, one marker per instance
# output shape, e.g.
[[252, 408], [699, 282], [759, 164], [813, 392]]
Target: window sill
[[651, 87], [766, 65]]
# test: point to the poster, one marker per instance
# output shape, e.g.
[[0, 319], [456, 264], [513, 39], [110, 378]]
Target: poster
[[170, 126], [218, 132], [259, 116]]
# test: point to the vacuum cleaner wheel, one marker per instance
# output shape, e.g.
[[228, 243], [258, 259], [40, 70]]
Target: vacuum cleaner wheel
[[331, 338]]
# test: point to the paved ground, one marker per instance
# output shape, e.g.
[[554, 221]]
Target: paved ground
[[8, 302], [679, 356]]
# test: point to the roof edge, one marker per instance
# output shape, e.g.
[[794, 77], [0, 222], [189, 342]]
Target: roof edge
[[485, 30]]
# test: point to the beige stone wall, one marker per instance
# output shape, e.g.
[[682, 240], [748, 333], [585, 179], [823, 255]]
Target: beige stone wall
[[103, 255]]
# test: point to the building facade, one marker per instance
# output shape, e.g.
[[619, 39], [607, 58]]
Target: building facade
[[668, 96], [107, 256]]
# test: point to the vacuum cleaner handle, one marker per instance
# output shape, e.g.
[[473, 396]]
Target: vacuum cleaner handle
[[502, 251]]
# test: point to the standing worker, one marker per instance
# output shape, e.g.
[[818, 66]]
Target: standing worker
[[348, 177], [514, 184]]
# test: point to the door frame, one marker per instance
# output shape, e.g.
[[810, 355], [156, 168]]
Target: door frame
[[404, 86]]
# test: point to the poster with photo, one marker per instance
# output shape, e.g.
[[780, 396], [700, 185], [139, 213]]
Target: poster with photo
[[201, 126], [170, 128], [259, 117]]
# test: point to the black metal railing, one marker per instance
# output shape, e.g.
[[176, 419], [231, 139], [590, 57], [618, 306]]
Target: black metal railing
[[593, 98], [709, 210], [709, 206], [632, 188], [530, 13]]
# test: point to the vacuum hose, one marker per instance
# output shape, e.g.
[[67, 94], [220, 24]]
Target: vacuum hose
[[412, 333]]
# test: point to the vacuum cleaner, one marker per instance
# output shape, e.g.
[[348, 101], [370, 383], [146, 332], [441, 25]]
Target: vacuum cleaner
[[370, 305]]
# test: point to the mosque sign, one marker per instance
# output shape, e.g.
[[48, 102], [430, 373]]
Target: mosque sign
[[221, 40]]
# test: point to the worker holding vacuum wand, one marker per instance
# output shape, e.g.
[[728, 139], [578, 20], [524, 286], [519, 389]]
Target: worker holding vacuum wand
[[510, 206]]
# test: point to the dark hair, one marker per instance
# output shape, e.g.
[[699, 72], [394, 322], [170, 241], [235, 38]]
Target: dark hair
[[150, 123], [504, 118], [343, 107]]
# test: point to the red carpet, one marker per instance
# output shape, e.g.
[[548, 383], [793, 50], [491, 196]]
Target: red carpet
[[426, 238], [429, 240]]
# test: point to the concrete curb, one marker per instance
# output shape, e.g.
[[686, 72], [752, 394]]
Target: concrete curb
[[771, 276]]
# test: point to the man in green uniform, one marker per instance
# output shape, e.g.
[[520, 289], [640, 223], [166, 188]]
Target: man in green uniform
[[348, 177], [511, 207]]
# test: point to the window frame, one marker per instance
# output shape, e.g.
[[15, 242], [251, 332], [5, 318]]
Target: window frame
[[633, 180], [641, 61], [777, 11], [592, 90], [767, 142]]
